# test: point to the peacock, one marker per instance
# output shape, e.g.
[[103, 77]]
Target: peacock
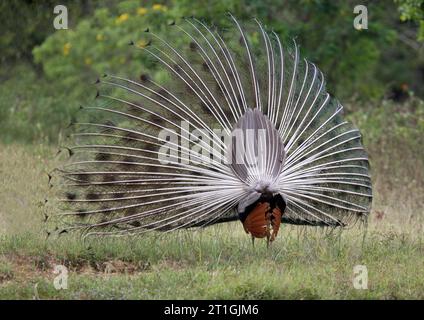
[[232, 125]]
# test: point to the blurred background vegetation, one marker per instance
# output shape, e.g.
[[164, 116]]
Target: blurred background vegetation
[[378, 73]]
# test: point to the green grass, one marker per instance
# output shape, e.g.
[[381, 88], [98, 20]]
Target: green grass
[[215, 263]]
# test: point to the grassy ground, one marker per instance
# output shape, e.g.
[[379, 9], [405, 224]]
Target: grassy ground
[[218, 262]]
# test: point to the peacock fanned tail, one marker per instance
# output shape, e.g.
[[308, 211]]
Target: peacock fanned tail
[[162, 154]]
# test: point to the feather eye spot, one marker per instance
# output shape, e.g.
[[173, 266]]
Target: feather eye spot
[[128, 160], [83, 178], [156, 119], [193, 46], [70, 196], [131, 136], [81, 213], [178, 69], [109, 178], [144, 78], [130, 211], [205, 66], [119, 195], [150, 147], [135, 223], [92, 196], [101, 156]]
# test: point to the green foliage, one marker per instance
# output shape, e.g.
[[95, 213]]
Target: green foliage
[[393, 135], [359, 65], [27, 23], [413, 10], [100, 44], [388, 120], [31, 109]]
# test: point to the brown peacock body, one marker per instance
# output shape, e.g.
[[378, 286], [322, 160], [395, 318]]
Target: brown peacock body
[[242, 129]]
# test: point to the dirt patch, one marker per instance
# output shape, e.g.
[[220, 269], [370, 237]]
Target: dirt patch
[[24, 268], [113, 267], [6, 276], [21, 269]]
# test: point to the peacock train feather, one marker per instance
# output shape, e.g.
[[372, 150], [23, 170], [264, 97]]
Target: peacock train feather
[[162, 155]]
